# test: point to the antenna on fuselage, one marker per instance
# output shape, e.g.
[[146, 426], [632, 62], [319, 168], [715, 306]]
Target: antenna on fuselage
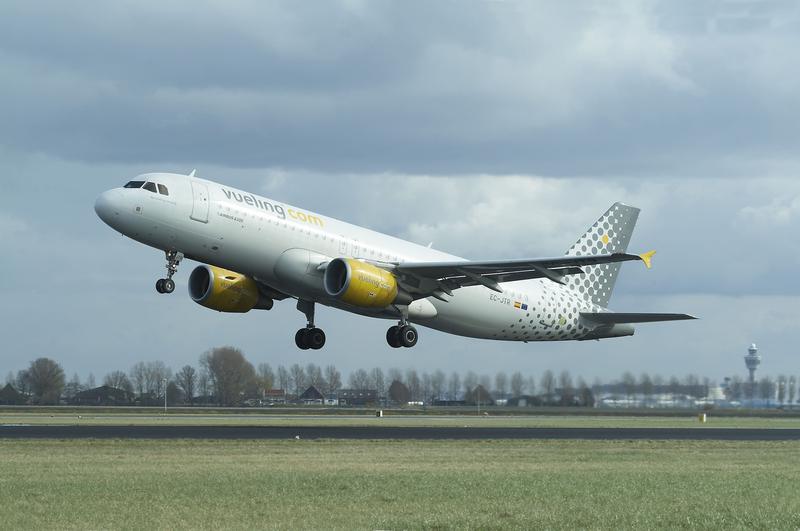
[[193, 173]]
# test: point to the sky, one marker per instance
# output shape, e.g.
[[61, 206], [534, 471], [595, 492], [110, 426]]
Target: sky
[[496, 129]]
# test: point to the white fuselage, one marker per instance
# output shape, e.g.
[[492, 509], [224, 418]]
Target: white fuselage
[[280, 245]]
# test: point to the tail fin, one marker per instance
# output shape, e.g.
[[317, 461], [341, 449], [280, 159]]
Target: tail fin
[[609, 234]]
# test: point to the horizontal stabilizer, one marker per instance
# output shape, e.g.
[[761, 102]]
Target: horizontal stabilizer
[[604, 318]]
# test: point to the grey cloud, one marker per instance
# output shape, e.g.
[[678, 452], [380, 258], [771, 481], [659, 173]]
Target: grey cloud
[[608, 89]]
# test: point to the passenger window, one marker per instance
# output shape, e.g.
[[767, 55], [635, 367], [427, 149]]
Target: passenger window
[[134, 184], [150, 186], [163, 190]]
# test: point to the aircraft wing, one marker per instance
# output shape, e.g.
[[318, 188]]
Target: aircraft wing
[[436, 278], [610, 318]]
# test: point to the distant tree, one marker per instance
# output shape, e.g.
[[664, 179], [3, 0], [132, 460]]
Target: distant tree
[[479, 395], [399, 393], [736, 388], [629, 384], [266, 376], [395, 374], [791, 389], [781, 389], [72, 387], [138, 376], [229, 373], [118, 380], [658, 382], [501, 384], [90, 382], [414, 384], [585, 394], [175, 394], [646, 385], [377, 381], [155, 373], [298, 375], [567, 390], [10, 380], [425, 384], [186, 380], [453, 386], [359, 379], [314, 376], [692, 383], [517, 384], [333, 379], [46, 380], [438, 384], [548, 384], [766, 388], [530, 385], [470, 381], [23, 381], [204, 384], [674, 385], [284, 378]]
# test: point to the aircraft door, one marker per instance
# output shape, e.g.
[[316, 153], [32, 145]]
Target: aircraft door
[[200, 203]]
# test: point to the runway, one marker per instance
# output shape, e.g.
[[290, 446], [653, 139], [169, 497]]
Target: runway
[[391, 433]]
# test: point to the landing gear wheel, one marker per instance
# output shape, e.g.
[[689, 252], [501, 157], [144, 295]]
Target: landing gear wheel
[[315, 338], [408, 336], [393, 336], [300, 339], [168, 285]]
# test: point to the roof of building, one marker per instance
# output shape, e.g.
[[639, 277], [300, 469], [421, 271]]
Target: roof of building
[[312, 393]]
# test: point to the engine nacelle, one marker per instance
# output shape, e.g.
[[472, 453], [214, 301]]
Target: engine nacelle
[[225, 291], [361, 284]]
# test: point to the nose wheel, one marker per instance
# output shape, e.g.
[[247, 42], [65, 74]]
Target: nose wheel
[[402, 336], [167, 285]]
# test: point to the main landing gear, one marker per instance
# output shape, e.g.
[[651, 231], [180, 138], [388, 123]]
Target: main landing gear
[[167, 285], [309, 337], [402, 334]]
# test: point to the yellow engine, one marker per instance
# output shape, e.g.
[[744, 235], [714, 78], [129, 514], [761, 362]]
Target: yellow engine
[[225, 291], [361, 284]]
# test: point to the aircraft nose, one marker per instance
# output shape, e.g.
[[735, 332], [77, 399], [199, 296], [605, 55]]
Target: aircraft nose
[[107, 206]]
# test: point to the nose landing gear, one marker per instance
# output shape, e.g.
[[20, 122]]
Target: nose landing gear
[[167, 285], [309, 337]]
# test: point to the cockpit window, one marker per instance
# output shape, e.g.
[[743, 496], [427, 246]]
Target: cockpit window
[[163, 190], [150, 186], [134, 184]]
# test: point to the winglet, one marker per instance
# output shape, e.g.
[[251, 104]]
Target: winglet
[[647, 258], [194, 172]]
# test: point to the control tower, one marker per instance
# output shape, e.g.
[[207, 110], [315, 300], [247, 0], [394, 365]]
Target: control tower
[[752, 361]]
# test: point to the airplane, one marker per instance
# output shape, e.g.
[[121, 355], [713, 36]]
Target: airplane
[[254, 251]]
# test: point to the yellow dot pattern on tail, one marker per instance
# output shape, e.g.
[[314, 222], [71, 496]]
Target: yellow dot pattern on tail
[[609, 234]]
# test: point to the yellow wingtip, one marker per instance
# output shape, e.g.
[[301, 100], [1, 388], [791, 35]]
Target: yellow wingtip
[[647, 258]]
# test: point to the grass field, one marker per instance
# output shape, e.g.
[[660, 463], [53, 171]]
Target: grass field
[[366, 419], [171, 484]]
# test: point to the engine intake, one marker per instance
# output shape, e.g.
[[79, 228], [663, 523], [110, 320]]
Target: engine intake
[[225, 291], [361, 284]]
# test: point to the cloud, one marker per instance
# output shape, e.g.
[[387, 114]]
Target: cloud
[[608, 89]]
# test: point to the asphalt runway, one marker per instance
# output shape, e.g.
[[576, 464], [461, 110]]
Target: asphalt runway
[[391, 432]]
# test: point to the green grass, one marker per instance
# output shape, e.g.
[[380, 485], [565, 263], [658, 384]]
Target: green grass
[[178, 484], [394, 419]]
